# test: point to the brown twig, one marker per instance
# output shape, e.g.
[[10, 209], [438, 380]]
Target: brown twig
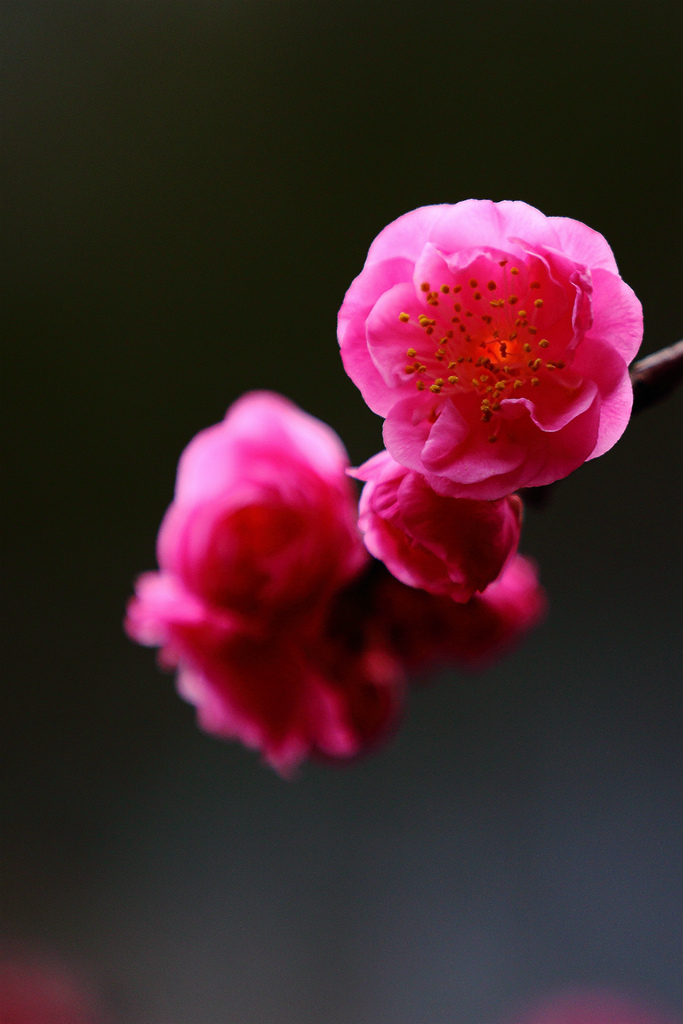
[[653, 378]]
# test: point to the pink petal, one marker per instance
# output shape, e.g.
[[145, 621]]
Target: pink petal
[[583, 244], [405, 237], [407, 428], [601, 362], [618, 315]]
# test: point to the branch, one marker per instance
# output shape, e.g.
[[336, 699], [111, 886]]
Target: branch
[[656, 376], [653, 378]]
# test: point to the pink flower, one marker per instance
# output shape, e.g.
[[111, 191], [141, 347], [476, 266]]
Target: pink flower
[[431, 630], [40, 992], [324, 684], [495, 341], [590, 1006], [449, 546], [258, 544], [263, 520]]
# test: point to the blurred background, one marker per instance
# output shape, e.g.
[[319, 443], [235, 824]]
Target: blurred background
[[190, 187]]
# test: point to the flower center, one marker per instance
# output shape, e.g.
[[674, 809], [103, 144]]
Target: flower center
[[484, 338]]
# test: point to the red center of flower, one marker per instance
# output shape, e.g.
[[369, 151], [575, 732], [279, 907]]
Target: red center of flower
[[486, 337]]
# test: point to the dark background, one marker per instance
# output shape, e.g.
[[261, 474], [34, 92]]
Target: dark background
[[189, 190]]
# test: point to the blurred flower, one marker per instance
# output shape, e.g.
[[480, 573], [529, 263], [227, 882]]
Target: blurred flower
[[430, 630], [263, 521], [260, 539], [495, 341], [285, 634], [448, 546], [37, 992], [590, 1006]]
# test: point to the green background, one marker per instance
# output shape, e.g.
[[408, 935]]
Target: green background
[[189, 190]]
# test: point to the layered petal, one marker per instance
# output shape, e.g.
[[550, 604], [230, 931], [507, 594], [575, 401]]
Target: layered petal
[[445, 545], [489, 337]]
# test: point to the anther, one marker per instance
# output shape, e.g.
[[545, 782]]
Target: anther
[[477, 295], [420, 385], [453, 379], [452, 366], [517, 385], [527, 346], [435, 389], [513, 335], [475, 382], [439, 382], [473, 283], [445, 289], [512, 299], [560, 365], [550, 366], [535, 381], [457, 288], [522, 312], [404, 317], [543, 343], [425, 286], [411, 352], [457, 307], [514, 270], [535, 284], [493, 438], [491, 286], [538, 303], [410, 368], [501, 263], [533, 330]]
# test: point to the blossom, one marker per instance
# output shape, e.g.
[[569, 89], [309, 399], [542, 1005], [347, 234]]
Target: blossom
[[37, 991], [263, 519], [326, 683], [429, 630], [449, 546], [593, 1006], [495, 342], [259, 541]]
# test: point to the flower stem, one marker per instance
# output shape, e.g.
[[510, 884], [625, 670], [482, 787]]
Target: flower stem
[[655, 376]]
